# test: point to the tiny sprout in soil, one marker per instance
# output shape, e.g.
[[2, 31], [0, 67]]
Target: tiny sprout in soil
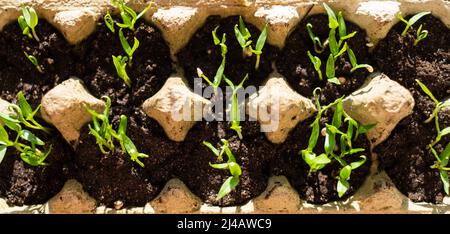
[[34, 61], [126, 46], [120, 62], [235, 111], [344, 142], [412, 21], [442, 159], [219, 73], [337, 48], [105, 135], [243, 35], [128, 15], [25, 141], [28, 22], [231, 165]]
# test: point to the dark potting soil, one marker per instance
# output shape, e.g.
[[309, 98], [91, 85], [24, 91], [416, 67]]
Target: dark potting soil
[[318, 187], [22, 184], [151, 64], [294, 63], [404, 155], [253, 153], [117, 177], [201, 53], [19, 74], [114, 177]]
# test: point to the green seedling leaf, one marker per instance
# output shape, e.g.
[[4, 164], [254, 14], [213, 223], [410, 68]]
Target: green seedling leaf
[[214, 35], [317, 63], [221, 166], [30, 137], [212, 148], [132, 150], [235, 169], [28, 22], [427, 91], [357, 164], [126, 46], [365, 128], [411, 21], [343, 49], [120, 64], [420, 35], [332, 43], [109, 22], [34, 61], [3, 149], [345, 172], [444, 178], [332, 20], [227, 187], [445, 155], [342, 187], [330, 72], [342, 26]]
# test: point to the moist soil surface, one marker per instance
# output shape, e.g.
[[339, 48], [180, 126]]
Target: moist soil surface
[[318, 187], [151, 64], [19, 74], [115, 177], [294, 63], [22, 184], [201, 53], [404, 155], [253, 153]]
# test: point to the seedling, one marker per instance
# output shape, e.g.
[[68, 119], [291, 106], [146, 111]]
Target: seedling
[[34, 61], [109, 21], [105, 135], [337, 48], [411, 21], [235, 112], [28, 22], [317, 63], [219, 73], [355, 64], [345, 143], [231, 165], [442, 159], [318, 46], [421, 34], [120, 62], [126, 46], [128, 15], [25, 141], [243, 35]]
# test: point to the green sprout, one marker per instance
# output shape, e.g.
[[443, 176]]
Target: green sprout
[[434, 116], [128, 15], [28, 22], [120, 62], [421, 34], [231, 165], [318, 46], [109, 22], [411, 21], [219, 73], [337, 48], [442, 159], [23, 117], [330, 71], [345, 142], [317, 63], [105, 135], [235, 112], [243, 35], [126, 46], [35, 62], [355, 64]]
